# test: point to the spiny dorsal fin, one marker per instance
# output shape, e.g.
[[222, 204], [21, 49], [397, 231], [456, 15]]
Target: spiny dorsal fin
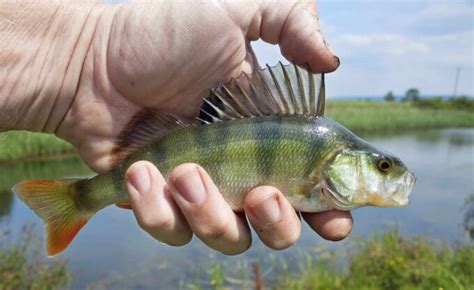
[[280, 90], [147, 126]]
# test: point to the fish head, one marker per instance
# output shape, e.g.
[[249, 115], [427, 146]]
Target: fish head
[[363, 175]]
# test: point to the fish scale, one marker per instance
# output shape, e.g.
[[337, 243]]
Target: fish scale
[[270, 150]]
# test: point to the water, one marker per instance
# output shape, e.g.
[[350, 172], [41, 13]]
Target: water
[[112, 248]]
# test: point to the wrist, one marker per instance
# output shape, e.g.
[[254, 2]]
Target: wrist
[[44, 48]]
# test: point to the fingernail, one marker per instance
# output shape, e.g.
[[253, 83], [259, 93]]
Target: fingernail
[[331, 50], [338, 61], [267, 211], [190, 186], [139, 178]]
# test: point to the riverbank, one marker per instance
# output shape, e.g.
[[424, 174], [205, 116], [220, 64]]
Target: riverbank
[[372, 117], [387, 261], [359, 116]]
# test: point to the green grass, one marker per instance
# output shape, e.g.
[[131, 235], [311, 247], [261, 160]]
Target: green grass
[[21, 144], [388, 261], [362, 116], [23, 267], [359, 116], [393, 262]]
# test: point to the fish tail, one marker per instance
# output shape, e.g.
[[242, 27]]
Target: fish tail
[[54, 201]]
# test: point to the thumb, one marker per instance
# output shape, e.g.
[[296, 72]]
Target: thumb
[[294, 26]]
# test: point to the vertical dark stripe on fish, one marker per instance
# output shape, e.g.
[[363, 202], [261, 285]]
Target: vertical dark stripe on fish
[[199, 137], [315, 150], [83, 189], [309, 158], [268, 137], [118, 180], [223, 135], [83, 186], [219, 137], [158, 156]]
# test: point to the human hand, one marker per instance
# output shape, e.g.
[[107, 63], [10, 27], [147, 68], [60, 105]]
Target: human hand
[[165, 55], [160, 208], [191, 203]]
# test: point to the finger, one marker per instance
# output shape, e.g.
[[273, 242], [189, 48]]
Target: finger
[[154, 208], [250, 63], [332, 225], [208, 214], [272, 217], [294, 26]]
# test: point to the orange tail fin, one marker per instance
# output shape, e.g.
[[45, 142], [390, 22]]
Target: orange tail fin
[[53, 201]]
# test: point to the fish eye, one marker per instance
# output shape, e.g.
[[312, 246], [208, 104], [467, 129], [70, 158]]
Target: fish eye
[[384, 164]]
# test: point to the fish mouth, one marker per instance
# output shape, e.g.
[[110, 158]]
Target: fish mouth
[[397, 199], [402, 195]]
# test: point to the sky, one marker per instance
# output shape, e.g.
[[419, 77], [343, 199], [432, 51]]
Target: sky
[[395, 45]]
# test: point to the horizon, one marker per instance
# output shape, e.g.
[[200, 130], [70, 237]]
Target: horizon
[[397, 96]]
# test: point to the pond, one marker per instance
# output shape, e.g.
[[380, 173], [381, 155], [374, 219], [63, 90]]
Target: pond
[[112, 248]]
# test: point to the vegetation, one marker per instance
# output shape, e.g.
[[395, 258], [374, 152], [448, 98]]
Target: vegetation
[[411, 95], [459, 103], [385, 262], [468, 222], [389, 97], [25, 145], [22, 267], [363, 116], [359, 116]]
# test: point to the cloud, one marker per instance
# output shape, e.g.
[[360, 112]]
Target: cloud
[[438, 18], [384, 43], [395, 45]]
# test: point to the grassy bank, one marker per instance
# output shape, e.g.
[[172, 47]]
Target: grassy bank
[[362, 116], [23, 267], [359, 116], [26, 145], [388, 261]]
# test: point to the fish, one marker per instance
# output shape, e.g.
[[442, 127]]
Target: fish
[[264, 128]]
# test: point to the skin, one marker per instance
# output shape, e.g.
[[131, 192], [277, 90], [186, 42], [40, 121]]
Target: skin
[[81, 71]]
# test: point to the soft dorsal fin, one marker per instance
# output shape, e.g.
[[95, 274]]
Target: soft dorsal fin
[[147, 126], [280, 90]]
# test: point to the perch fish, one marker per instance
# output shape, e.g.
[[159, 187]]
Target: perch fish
[[267, 128]]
